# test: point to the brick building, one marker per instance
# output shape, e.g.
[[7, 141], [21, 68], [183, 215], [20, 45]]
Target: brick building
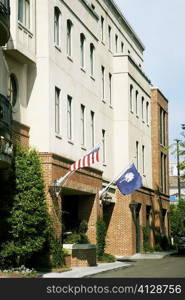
[[75, 78]]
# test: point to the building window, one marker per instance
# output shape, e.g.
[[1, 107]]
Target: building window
[[116, 43], [137, 103], [24, 12], [57, 21], [82, 49], [12, 89], [131, 98], [147, 112], [103, 82], [102, 29], [163, 168], [137, 154], [69, 37], [57, 110], [143, 159], [92, 59], [104, 146], [92, 129], [142, 108], [69, 117], [82, 119], [110, 89], [122, 47], [110, 37], [162, 127]]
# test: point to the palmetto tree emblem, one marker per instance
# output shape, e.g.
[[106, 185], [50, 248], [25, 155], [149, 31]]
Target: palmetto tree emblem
[[128, 177]]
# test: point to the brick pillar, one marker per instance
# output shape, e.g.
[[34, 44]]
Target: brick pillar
[[119, 240]]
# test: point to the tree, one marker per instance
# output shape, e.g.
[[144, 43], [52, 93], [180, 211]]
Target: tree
[[178, 219], [29, 220]]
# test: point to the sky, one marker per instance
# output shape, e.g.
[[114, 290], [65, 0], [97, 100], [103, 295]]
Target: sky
[[160, 25]]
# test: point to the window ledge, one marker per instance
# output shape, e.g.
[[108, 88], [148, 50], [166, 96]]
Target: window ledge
[[84, 148], [104, 165], [137, 116], [144, 175], [70, 58], [82, 69], [103, 43], [92, 77], [103, 100], [131, 112], [22, 26], [58, 136], [111, 106], [58, 47], [71, 142], [143, 121]]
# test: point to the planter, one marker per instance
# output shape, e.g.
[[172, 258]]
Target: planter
[[80, 255]]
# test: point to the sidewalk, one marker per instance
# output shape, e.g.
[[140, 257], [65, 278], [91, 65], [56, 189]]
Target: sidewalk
[[153, 255], [122, 262], [80, 272]]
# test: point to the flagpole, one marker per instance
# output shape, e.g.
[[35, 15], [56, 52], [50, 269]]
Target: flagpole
[[108, 185], [61, 180]]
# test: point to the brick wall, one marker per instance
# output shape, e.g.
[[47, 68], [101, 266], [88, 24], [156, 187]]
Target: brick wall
[[20, 133], [85, 182]]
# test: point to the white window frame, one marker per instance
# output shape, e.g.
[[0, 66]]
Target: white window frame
[[69, 37], [24, 12], [69, 118], [57, 26], [82, 121], [57, 110]]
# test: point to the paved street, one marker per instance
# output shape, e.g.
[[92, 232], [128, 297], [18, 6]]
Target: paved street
[[170, 266]]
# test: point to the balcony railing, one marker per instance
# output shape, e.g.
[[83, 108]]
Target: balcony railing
[[6, 147], [5, 117], [4, 21]]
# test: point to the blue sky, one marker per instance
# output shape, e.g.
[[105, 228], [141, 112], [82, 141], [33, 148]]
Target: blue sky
[[160, 24]]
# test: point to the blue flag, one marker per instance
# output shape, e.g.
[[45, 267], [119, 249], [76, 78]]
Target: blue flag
[[129, 181]]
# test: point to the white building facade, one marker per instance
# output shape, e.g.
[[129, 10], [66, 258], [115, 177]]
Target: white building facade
[[78, 73]]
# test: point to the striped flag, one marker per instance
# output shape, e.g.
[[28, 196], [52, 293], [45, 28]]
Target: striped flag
[[86, 161]]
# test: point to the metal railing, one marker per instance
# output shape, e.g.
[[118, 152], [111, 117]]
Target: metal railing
[[6, 146], [5, 7], [5, 116]]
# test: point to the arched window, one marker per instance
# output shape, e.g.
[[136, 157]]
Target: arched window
[[12, 89], [92, 59], [57, 23], [82, 50], [147, 112], [69, 37], [137, 103], [142, 108], [131, 98]]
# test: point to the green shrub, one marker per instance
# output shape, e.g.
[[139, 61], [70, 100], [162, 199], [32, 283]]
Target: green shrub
[[100, 237], [83, 227], [106, 257], [57, 253], [77, 238], [28, 220], [146, 239]]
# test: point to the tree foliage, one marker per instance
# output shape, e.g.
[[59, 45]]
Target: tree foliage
[[100, 237], [29, 221], [178, 219]]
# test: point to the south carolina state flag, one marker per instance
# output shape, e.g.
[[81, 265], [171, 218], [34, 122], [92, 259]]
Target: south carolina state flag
[[129, 181]]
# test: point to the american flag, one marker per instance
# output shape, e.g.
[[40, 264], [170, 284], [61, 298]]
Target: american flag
[[87, 160]]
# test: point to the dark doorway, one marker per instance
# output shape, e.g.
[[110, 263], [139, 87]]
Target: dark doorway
[[75, 209], [70, 207]]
